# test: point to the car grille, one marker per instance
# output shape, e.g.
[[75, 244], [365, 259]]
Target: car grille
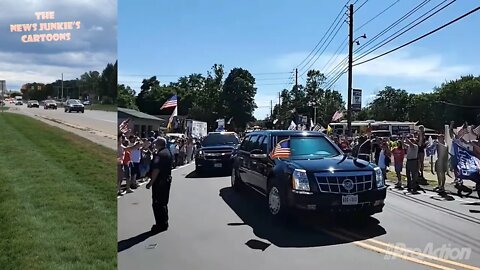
[[334, 182], [218, 154]]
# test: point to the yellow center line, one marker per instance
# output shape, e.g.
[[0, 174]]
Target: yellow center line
[[470, 267], [387, 252]]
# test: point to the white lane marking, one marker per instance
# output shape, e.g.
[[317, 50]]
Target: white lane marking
[[144, 183]]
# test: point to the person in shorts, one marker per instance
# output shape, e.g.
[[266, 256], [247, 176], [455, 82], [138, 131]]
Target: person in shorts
[[398, 157]]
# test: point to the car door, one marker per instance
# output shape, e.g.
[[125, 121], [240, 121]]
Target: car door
[[259, 166], [244, 159]]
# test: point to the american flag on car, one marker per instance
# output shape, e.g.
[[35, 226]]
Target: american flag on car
[[282, 150]]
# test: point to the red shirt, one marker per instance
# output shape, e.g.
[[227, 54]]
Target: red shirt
[[398, 155], [126, 157]]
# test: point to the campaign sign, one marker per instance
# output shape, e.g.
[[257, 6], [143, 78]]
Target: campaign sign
[[466, 165]]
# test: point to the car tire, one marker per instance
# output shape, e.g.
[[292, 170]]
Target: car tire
[[83, 111], [276, 201], [235, 181], [198, 171]]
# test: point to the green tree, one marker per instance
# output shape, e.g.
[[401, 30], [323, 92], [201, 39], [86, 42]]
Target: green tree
[[238, 96], [126, 97], [391, 104]]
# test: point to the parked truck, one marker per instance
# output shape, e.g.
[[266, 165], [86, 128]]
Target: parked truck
[[196, 129]]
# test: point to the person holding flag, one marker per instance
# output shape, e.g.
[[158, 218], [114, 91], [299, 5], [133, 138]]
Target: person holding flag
[[171, 103]]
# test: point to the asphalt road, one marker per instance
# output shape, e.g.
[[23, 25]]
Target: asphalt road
[[97, 126], [212, 227]]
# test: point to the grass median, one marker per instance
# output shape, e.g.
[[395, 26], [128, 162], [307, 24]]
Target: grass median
[[102, 107], [58, 198]]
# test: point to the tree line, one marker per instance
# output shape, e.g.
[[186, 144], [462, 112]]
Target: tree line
[[208, 98], [96, 86], [457, 100], [204, 98]]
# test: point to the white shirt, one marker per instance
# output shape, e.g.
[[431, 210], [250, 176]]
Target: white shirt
[[381, 160]]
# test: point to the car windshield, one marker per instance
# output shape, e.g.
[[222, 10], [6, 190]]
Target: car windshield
[[314, 147], [75, 101], [220, 139]]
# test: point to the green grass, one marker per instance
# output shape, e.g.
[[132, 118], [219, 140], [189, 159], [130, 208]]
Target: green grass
[[58, 199], [102, 107]]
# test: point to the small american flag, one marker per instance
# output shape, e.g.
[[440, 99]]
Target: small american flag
[[462, 132], [172, 102], [124, 126], [337, 116], [476, 130], [282, 150]]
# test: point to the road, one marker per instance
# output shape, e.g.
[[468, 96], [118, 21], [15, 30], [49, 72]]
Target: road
[[97, 126], [212, 227]]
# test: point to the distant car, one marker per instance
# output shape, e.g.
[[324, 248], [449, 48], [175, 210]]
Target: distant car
[[50, 104], [87, 102], [18, 102], [33, 104], [74, 105]]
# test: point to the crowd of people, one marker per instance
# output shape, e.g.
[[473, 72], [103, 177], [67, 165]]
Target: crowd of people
[[135, 155], [406, 151]]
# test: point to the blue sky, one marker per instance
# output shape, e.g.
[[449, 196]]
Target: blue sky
[[163, 38]]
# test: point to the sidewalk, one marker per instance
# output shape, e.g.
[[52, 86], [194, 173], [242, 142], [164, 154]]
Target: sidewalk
[[432, 181]]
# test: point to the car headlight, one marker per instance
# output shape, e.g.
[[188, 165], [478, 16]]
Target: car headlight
[[300, 180], [379, 177], [200, 154]]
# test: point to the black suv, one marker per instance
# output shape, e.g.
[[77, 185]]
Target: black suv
[[305, 170], [74, 105], [215, 151]]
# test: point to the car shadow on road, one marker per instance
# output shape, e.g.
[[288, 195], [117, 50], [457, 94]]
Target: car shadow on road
[[132, 241], [308, 232], [212, 174]]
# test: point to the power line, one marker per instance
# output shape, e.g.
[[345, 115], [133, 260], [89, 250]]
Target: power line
[[336, 78], [376, 16], [335, 55], [421, 37], [390, 38], [324, 35], [360, 6], [340, 23], [344, 43], [391, 26]]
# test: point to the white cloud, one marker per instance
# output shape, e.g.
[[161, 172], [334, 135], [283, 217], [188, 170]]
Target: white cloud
[[429, 68], [96, 28]]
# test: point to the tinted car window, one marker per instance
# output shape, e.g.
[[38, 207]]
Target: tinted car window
[[312, 146], [220, 139], [264, 144], [244, 144], [250, 142], [256, 143]]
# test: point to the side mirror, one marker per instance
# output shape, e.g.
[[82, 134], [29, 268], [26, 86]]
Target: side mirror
[[257, 154]]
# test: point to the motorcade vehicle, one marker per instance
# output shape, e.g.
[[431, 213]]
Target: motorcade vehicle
[[304, 171], [50, 104], [215, 152], [74, 105], [33, 104]]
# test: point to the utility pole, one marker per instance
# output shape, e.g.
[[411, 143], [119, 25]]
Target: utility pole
[[296, 79], [271, 108], [62, 88], [350, 61]]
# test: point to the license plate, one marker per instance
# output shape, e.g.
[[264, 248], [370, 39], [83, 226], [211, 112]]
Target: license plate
[[217, 165], [349, 199]]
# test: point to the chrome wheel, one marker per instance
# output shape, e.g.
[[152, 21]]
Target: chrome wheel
[[274, 201]]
